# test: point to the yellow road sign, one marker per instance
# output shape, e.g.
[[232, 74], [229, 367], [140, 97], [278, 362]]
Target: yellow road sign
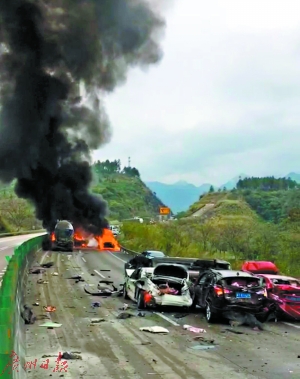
[[164, 210]]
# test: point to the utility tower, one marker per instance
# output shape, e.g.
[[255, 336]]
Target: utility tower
[[129, 161]]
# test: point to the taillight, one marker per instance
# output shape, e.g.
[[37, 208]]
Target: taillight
[[147, 297], [219, 291]]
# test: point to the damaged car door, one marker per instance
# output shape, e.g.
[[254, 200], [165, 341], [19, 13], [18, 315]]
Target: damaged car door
[[197, 290], [130, 284]]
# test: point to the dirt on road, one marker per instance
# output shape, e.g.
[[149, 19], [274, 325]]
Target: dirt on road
[[110, 347]]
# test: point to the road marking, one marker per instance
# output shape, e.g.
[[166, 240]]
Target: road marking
[[5, 247], [83, 259], [97, 272], [166, 318], [287, 323], [117, 257]]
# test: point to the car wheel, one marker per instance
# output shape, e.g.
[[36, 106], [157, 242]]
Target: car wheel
[[140, 300], [209, 314], [125, 293]]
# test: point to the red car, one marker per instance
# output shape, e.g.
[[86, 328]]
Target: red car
[[284, 290]]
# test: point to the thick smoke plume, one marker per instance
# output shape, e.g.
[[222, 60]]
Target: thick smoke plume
[[47, 49]]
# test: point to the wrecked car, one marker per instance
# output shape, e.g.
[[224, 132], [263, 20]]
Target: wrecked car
[[283, 290], [163, 285], [220, 291]]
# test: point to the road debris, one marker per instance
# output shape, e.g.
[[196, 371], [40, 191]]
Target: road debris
[[203, 339], [41, 281], [239, 319], [70, 355], [97, 321], [27, 315], [202, 347], [49, 308], [36, 304], [104, 292], [47, 265], [77, 277], [95, 304], [55, 273], [181, 315], [141, 314], [37, 270], [124, 315], [51, 325], [154, 329], [194, 329]]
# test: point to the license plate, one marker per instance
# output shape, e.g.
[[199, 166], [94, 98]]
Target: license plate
[[241, 295], [293, 298]]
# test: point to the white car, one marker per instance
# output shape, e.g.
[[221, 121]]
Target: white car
[[164, 285]]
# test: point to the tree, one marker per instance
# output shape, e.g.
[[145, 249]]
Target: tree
[[211, 189], [16, 211]]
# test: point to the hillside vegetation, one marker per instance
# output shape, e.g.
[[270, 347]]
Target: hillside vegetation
[[123, 189], [260, 222]]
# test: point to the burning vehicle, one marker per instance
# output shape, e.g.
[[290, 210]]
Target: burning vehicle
[[62, 238], [220, 291], [283, 290], [163, 285]]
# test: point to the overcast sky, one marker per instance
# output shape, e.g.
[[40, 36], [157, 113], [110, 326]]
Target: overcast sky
[[224, 100]]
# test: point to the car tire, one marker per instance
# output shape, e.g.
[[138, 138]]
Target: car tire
[[210, 316], [140, 300], [125, 293]]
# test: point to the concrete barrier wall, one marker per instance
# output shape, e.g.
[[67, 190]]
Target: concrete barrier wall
[[12, 327]]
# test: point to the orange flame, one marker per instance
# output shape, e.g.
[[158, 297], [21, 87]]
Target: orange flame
[[52, 237]]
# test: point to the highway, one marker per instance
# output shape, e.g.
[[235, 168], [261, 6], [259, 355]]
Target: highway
[[116, 348], [7, 246]]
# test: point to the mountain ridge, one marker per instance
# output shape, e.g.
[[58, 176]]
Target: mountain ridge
[[181, 194]]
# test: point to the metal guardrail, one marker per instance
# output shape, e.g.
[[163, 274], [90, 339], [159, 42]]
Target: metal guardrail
[[128, 251], [22, 232]]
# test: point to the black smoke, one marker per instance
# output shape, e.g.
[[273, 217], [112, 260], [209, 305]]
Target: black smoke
[[47, 49]]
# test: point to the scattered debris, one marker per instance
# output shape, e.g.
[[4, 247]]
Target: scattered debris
[[104, 292], [146, 343], [36, 270], [92, 274], [203, 339], [95, 304], [181, 315], [154, 329], [202, 347], [47, 265], [36, 304], [55, 273], [125, 306], [105, 270], [28, 316], [97, 321], [234, 331], [108, 282], [239, 319], [193, 329], [141, 314], [124, 315], [70, 355], [51, 325], [50, 308], [78, 277], [49, 356], [41, 281]]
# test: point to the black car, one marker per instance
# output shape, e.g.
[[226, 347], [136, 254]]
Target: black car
[[220, 291]]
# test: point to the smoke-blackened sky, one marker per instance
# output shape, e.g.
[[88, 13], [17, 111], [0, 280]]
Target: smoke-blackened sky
[[48, 48]]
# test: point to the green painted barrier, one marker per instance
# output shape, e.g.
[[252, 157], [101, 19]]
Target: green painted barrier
[[9, 315]]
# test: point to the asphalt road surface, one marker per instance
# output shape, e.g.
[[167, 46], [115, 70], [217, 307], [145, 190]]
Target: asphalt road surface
[[7, 246], [116, 348]]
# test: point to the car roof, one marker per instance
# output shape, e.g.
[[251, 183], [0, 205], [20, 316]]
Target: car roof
[[232, 273], [283, 277]]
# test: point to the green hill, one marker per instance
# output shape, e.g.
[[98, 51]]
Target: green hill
[[123, 189]]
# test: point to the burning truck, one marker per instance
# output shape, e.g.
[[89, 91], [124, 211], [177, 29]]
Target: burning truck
[[62, 238]]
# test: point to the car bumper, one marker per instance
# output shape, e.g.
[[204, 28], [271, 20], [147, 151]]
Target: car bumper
[[170, 301], [257, 311]]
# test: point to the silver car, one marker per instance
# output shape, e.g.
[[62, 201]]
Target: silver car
[[164, 285]]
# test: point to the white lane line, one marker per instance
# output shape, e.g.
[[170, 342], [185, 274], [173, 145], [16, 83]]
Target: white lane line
[[5, 247], [117, 257], [166, 318], [287, 323], [97, 272], [83, 259]]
